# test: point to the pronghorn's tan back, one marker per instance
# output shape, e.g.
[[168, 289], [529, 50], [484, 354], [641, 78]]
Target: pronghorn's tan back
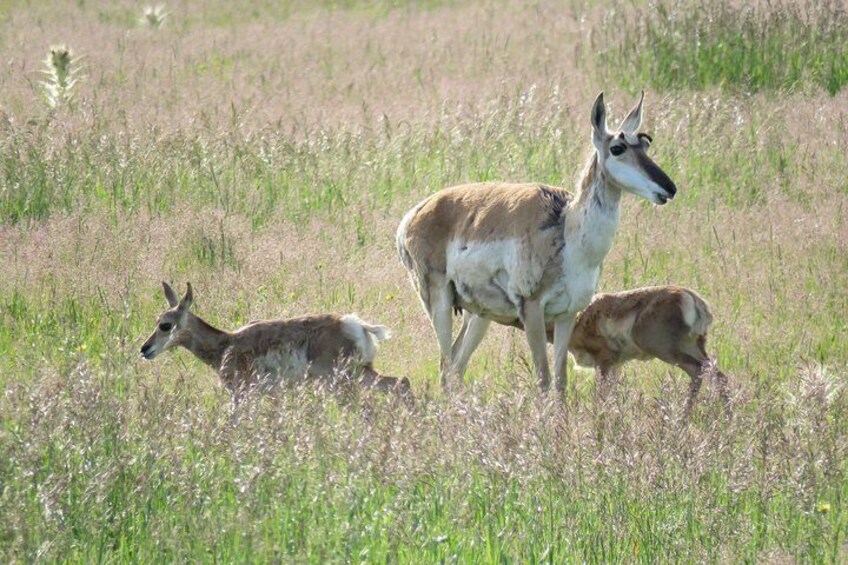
[[482, 212]]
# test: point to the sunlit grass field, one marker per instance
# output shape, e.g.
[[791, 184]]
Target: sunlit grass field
[[266, 151]]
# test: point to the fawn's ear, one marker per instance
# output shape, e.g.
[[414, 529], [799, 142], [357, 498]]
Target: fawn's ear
[[170, 295], [185, 303]]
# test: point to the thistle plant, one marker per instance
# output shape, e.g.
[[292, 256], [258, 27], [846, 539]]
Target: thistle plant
[[154, 16], [61, 69]]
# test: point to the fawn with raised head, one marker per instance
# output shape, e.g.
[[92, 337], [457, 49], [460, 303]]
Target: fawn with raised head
[[526, 254], [266, 353], [669, 323]]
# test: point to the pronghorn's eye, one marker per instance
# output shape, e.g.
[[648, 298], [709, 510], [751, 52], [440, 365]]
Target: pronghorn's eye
[[166, 326], [617, 149]]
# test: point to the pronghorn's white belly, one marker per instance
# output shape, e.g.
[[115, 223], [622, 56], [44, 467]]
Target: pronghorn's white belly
[[283, 365], [493, 278]]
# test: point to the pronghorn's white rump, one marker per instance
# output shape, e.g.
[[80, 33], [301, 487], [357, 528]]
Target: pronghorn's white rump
[[525, 254], [364, 335], [266, 353]]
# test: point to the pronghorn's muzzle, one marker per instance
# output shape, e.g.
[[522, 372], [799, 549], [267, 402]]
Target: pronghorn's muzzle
[[660, 178], [670, 189], [147, 351]]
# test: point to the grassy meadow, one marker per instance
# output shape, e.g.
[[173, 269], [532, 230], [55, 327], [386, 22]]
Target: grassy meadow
[[266, 152]]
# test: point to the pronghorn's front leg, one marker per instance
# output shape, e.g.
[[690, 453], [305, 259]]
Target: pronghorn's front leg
[[533, 318], [606, 381], [562, 336]]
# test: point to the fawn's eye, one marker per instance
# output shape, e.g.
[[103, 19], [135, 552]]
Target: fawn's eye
[[617, 149], [166, 326]]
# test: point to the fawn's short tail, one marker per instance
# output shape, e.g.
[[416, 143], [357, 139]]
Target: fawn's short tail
[[364, 335], [696, 313]]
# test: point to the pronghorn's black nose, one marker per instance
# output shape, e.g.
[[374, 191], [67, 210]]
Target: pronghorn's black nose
[[145, 349], [668, 185], [658, 176], [671, 188]]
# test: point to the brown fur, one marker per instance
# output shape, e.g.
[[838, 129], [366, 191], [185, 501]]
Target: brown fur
[[647, 323], [306, 347], [644, 323], [525, 253], [486, 211]]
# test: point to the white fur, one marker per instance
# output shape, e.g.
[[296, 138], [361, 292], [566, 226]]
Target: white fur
[[504, 278], [400, 236], [632, 139], [364, 335], [284, 364], [634, 180], [489, 269], [696, 314], [687, 308], [500, 274], [582, 260]]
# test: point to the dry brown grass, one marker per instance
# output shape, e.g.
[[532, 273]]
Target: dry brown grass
[[266, 155]]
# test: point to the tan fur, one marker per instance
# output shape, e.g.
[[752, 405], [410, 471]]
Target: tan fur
[[669, 323], [527, 253], [266, 353], [483, 212]]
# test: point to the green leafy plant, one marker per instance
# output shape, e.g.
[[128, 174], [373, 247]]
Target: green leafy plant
[[61, 70]]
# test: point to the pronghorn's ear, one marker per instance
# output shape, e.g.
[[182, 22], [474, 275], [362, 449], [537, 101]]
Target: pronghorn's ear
[[170, 295], [185, 303], [599, 121], [631, 123]]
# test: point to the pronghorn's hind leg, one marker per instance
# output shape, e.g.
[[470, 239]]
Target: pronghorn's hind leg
[[466, 320], [440, 310], [665, 338], [694, 368], [473, 330]]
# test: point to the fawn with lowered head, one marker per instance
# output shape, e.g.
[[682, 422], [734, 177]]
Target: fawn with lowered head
[[267, 353], [527, 254], [669, 323]]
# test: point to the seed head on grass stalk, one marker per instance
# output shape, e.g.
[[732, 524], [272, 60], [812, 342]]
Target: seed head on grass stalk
[[154, 16], [61, 70]]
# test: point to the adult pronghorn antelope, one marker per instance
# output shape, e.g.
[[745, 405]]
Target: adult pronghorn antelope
[[525, 253], [669, 323], [267, 353]]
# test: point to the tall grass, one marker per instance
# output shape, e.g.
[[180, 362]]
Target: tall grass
[[148, 469], [684, 44], [48, 169], [267, 156]]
